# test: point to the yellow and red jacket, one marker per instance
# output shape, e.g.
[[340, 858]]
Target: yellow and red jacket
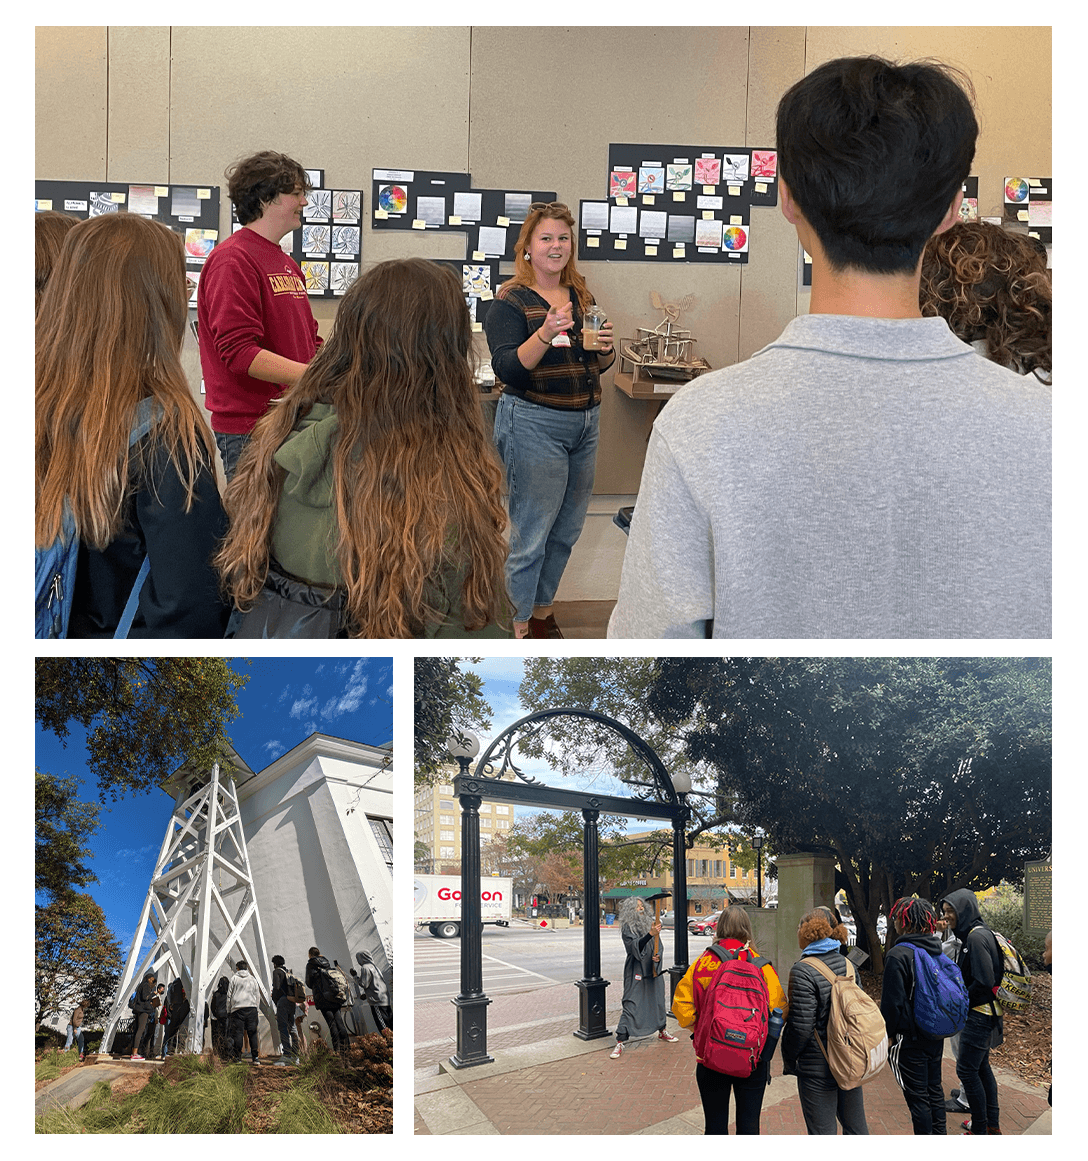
[[702, 971]]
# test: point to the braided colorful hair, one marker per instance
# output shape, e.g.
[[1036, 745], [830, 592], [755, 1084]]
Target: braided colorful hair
[[915, 915]]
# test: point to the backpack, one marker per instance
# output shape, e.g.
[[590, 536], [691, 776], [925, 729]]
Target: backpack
[[55, 566], [290, 988], [334, 987], [1013, 992], [731, 1013], [940, 996], [857, 1040]]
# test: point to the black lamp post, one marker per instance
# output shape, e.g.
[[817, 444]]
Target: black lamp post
[[470, 1002], [757, 846]]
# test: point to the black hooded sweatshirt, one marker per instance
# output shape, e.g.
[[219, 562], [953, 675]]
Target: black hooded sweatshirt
[[980, 958]]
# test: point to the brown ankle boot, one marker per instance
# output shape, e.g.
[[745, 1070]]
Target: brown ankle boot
[[544, 627]]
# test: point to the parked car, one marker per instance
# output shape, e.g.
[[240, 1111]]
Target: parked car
[[703, 924], [668, 918]]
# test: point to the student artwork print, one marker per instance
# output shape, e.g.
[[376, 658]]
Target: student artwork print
[[318, 206], [1028, 202], [969, 204]]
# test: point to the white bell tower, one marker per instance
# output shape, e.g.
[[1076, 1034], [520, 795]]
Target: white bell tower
[[201, 905]]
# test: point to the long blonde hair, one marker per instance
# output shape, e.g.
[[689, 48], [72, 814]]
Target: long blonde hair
[[109, 334], [523, 270], [417, 483]]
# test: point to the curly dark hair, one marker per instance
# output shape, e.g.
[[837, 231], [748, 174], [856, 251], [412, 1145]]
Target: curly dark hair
[[255, 181], [991, 284], [820, 923]]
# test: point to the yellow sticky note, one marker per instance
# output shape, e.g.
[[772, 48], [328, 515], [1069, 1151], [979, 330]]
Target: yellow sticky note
[[736, 220], [708, 215], [592, 242], [43, 203], [453, 220], [647, 199], [381, 214], [620, 244], [502, 221], [708, 189], [734, 191], [478, 256], [162, 191], [117, 197], [679, 196], [761, 187], [203, 194], [621, 201], [678, 252], [651, 251], [1034, 181], [419, 224], [477, 326], [486, 295], [1021, 215]]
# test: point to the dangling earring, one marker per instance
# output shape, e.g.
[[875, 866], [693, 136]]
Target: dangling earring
[[526, 255]]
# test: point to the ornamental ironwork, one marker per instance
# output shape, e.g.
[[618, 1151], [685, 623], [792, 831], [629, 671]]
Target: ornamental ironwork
[[498, 760]]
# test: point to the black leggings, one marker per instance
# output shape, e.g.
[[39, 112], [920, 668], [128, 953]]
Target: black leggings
[[714, 1090]]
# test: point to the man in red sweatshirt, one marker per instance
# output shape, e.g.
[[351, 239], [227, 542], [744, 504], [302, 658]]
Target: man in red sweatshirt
[[257, 332]]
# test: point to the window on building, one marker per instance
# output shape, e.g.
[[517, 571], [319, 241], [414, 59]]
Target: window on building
[[485, 807], [383, 836], [447, 835], [732, 871], [502, 809], [485, 822], [446, 853], [447, 819]]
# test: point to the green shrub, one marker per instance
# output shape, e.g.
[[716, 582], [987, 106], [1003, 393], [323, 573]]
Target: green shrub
[[53, 1063], [300, 1111]]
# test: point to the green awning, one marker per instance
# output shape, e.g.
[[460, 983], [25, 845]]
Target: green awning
[[628, 892]]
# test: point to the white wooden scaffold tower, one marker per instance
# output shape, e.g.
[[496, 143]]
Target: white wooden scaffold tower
[[201, 905]]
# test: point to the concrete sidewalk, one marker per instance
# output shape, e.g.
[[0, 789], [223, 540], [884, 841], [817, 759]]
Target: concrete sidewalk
[[546, 1081]]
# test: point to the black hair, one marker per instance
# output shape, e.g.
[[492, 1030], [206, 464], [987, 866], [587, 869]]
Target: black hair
[[873, 153]]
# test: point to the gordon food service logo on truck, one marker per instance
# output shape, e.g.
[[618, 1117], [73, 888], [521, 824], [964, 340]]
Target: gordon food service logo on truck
[[444, 893], [439, 897]]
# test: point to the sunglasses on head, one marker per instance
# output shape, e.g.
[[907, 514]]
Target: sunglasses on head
[[558, 206]]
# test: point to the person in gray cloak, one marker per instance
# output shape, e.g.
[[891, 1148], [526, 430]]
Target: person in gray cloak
[[643, 984]]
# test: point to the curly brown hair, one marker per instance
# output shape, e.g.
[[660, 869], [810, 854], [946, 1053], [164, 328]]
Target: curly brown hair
[[991, 284], [255, 181], [819, 923]]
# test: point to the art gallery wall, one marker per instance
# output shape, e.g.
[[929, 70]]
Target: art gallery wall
[[529, 108]]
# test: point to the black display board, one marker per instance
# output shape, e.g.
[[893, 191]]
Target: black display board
[[415, 199], [192, 211], [677, 203], [328, 246], [495, 220], [406, 199], [1028, 202], [479, 280]]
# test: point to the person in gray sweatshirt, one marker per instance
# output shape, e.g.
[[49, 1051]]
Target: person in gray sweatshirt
[[867, 474], [243, 996]]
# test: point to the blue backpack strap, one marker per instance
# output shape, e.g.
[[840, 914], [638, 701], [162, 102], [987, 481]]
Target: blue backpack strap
[[127, 617], [147, 413]]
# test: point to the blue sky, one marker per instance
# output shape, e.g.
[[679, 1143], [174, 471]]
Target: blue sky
[[286, 700]]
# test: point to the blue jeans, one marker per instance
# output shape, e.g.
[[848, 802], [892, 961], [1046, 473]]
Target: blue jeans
[[230, 449], [285, 1018], [973, 1068], [550, 457]]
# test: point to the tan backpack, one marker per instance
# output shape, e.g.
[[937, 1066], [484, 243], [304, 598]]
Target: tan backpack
[[857, 1040]]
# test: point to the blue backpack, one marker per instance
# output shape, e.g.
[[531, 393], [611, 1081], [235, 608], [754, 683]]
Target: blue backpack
[[940, 997], [55, 566]]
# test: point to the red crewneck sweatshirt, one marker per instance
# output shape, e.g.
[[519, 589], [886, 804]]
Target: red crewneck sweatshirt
[[252, 297]]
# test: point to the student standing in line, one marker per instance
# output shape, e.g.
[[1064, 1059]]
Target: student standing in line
[[914, 1055], [243, 996], [317, 979], [734, 934], [866, 474], [256, 329], [980, 961], [108, 358], [822, 1101]]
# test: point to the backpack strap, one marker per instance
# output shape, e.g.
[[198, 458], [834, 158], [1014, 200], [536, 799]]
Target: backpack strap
[[750, 956], [826, 972], [147, 413]]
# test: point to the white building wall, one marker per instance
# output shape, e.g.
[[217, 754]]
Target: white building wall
[[319, 876]]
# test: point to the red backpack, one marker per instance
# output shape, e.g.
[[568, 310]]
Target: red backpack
[[731, 1013]]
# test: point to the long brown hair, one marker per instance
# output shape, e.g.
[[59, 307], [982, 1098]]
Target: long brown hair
[[108, 335], [416, 479], [523, 271], [50, 230], [988, 283]]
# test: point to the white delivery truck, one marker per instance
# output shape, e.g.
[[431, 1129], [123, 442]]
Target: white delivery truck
[[438, 903]]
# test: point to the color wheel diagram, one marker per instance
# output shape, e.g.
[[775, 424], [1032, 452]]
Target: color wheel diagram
[[393, 199], [734, 238], [1016, 189]]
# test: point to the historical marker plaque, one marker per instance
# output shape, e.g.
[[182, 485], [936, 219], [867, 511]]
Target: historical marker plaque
[[1037, 897]]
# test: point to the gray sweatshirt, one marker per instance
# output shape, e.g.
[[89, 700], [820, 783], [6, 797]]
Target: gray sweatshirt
[[857, 477]]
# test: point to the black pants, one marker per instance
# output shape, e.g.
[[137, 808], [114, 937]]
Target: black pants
[[338, 1030], [916, 1066], [973, 1069], [714, 1090], [140, 1029], [244, 1020]]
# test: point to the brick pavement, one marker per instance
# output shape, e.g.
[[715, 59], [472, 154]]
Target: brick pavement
[[546, 1083]]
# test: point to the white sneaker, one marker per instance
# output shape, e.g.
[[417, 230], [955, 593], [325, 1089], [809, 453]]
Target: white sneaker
[[616, 1052], [670, 1039]]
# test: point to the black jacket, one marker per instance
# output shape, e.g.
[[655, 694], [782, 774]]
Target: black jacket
[[810, 1006], [315, 982], [144, 994], [980, 958]]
